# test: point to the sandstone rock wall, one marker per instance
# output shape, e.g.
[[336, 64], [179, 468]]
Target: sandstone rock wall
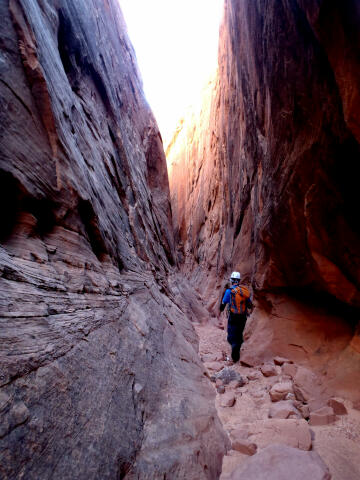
[[262, 176], [99, 372], [262, 180]]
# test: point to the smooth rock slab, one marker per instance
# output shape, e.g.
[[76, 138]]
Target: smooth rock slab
[[279, 462], [292, 432], [323, 416]]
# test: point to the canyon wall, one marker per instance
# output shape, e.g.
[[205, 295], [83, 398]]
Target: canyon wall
[[262, 176], [100, 376]]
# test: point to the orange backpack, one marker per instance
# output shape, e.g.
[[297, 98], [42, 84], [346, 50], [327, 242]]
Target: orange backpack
[[239, 299]]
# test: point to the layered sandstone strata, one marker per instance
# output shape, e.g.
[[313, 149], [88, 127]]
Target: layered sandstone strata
[[99, 372]]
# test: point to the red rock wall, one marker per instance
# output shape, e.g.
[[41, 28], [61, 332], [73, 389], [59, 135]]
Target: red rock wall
[[99, 372], [262, 180], [262, 176]]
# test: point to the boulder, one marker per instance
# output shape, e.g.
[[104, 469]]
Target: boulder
[[337, 406], [244, 446], [228, 375], [323, 416], [284, 409], [227, 400], [280, 390], [268, 370], [280, 462], [306, 384]]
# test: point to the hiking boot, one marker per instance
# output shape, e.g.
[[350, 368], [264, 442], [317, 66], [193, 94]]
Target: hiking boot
[[235, 354]]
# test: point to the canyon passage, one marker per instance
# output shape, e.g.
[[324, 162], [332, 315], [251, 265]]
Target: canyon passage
[[113, 352]]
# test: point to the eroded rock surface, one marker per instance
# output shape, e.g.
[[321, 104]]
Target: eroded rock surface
[[99, 372]]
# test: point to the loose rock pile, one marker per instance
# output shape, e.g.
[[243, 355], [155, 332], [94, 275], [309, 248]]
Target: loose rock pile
[[273, 411]]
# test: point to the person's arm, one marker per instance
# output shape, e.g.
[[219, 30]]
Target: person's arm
[[225, 300]]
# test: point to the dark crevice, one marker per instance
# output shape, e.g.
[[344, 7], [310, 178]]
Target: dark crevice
[[112, 136], [15, 200], [92, 229], [43, 211], [321, 301], [10, 200], [123, 470], [75, 61], [239, 224]]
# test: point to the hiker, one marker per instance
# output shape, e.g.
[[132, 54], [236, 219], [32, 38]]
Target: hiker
[[239, 302]]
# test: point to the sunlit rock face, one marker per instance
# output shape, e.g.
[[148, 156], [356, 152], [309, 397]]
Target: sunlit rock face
[[262, 178], [99, 372]]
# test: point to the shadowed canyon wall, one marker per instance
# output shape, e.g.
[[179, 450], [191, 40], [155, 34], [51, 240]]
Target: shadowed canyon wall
[[100, 376], [262, 176]]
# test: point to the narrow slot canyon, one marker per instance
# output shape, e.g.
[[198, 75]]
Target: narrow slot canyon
[[116, 249]]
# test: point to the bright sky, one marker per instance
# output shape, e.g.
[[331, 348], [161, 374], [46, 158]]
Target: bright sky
[[176, 47]]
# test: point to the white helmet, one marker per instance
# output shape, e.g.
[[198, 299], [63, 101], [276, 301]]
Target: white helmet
[[235, 276]]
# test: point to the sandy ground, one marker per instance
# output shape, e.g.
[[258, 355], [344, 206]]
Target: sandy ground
[[338, 443]]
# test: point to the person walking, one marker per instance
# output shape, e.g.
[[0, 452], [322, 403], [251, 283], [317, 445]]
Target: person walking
[[238, 299]]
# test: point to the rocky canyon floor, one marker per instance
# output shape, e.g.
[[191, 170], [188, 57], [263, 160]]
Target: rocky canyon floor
[[247, 397]]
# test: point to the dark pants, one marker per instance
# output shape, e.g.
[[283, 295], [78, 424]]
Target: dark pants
[[236, 325]]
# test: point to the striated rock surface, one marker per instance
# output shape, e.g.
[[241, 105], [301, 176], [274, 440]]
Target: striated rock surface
[[259, 174], [261, 180], [100, 376]]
